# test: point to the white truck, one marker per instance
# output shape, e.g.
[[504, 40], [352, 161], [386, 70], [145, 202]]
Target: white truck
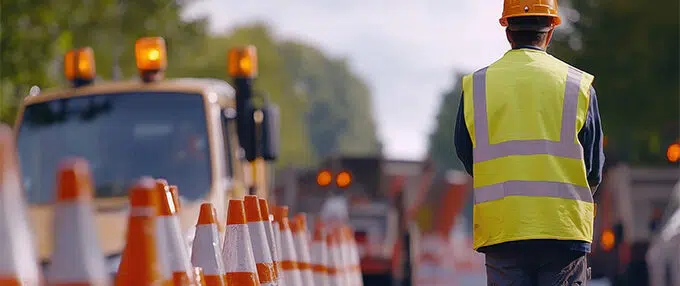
[[630, 204], [663, 256]]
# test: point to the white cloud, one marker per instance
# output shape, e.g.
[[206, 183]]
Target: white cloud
[[406, 50]]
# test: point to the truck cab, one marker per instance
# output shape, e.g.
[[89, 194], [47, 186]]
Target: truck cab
[[182, 130], [663, 256]]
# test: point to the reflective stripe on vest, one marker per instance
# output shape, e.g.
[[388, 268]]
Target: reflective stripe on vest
[[566, 147]]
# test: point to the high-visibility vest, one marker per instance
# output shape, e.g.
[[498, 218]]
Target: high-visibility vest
[[523, 114]]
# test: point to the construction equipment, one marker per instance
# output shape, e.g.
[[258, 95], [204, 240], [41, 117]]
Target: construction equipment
[[188, 131], [630, 204], [356, 190], [662, 257]]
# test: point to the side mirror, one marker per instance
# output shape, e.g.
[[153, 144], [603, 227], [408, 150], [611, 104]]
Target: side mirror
[[270, 136]]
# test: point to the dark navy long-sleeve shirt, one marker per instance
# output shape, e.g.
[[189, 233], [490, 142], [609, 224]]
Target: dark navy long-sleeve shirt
[[590, 137]]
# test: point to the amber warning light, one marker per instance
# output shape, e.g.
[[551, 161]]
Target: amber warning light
[[324, 178], [673, 153], [343, 179], [79, 65], [607, 240], [242, 62], [151, 57]]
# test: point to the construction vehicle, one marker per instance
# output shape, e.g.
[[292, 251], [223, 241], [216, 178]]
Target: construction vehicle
[[380, 199], [192, 132], [353, 190], [663, 256], [629, 211]]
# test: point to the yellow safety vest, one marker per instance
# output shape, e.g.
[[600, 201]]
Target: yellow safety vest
[[523, 114]]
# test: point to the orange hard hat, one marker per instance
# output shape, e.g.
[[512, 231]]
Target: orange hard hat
[[521, 8]]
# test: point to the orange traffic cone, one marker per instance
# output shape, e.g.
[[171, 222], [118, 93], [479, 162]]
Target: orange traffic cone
[[334, 263], [271, 241], [206, 249], [174, 191], [18, 264], [199, 277], [237, 250], [77, 258], [354, 265], [344, 261], [289, 261], [176, 251], [139, 264], [319, 253], [301, 242], [258, 238]]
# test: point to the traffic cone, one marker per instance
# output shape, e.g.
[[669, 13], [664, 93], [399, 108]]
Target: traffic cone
[[177, 253], [335, 277], [18, 264], [174, 191], [301, 241], [139, 264], [274, 235], [206, 252], [291, 272], [344, 255], [200, 277], [237, 250], [319, 253], [354, 264], [271, 241], [77, 258], [258, 238]]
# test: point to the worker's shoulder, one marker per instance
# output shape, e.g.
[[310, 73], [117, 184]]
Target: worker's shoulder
[[571, 66]]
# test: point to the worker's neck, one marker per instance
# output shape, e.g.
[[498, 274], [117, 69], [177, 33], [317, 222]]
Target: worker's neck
[[532, 47]]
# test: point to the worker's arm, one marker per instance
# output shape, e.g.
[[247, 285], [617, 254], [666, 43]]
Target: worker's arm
[[462, 140], [591, 139]]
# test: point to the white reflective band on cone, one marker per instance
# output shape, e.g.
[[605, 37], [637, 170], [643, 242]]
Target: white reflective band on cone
[[77, 257]]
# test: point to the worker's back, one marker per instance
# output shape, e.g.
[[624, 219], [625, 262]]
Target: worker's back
[[523, 113], [532, 83]]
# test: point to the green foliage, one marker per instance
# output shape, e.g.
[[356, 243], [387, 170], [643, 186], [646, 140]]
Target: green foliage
[[339, 114], [211, 61], [36, 34], [632, 49], [441, 146]]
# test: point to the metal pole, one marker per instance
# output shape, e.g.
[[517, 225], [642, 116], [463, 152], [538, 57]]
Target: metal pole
[[257, 187]]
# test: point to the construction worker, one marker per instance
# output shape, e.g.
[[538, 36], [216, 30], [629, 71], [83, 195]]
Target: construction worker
[[529, 128]]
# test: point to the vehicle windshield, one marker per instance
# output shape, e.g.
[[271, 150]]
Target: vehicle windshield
[[123, 136]]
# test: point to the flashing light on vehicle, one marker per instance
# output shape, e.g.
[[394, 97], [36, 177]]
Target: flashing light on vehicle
[[607, 240], [79, 65], [673, 153], [150, 54], [343, 180], [242, 62], [324, 178]]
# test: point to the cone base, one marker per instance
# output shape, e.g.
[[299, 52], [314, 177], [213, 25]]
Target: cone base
[[241, 279], [214, 280], [265, 272]]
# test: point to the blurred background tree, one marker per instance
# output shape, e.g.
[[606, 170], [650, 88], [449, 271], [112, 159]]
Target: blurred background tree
[[632, 49], [35, 35], [441, 146]]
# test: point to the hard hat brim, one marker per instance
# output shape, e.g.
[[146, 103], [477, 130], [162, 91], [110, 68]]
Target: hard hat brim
[[530, 28], [556, 20]]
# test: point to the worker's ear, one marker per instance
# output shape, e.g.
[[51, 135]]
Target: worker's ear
[[507, 35]]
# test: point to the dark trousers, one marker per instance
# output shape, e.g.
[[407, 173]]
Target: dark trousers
[[536, 267]]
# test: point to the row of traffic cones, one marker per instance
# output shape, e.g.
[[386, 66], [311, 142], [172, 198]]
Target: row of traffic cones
[[259, 247]]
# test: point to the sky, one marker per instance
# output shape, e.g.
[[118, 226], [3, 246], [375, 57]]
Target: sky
[[406, 51]]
